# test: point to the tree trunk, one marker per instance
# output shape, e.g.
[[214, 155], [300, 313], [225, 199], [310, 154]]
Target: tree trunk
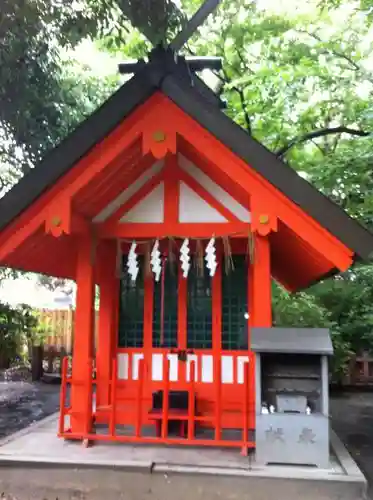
[[4, 360], [37, 363]]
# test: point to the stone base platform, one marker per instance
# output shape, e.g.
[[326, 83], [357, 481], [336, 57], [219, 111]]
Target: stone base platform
[[35, 464]]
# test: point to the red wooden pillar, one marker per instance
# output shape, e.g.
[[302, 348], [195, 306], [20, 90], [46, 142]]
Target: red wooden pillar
[[107, 320], [81, 392], [260, 300], [260, 304], [182, 322], [217, 307]]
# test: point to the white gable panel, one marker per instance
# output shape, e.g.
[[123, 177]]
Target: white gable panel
[[127, 193], [192, 208], [149, 209], [215, 190]]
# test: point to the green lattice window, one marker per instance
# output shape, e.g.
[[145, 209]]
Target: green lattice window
[[199, 309], [234, 305], [170, 309], [131, 308]]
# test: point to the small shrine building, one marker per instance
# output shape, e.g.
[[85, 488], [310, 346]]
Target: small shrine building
[[182, 219]]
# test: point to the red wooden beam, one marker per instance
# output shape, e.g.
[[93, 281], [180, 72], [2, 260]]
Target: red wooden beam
[[171, 190], [180, 230]]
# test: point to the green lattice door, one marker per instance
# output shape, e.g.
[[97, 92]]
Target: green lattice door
[[199, 308], [181, 330], [234, 335], [199, 315], [131, 307], [165, 308]]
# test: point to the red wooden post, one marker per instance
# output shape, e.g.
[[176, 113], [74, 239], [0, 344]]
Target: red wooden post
[[166, 391], [245, 409], [113, 400], [108, 319], [182, 315], [89, 396], [191, 400], [216, 340], [148, 320], [61, 421], [260, 284], [140, 381], [260, 304], [217, 383], [81, 387]]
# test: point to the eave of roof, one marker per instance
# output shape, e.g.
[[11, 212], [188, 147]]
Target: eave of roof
[[300, 191], [77, 144], [163, 74]]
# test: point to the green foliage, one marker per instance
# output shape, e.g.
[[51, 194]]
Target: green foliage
[[32, 330], [348, 298], [308, 310], [156, 19], [43, 93], [10, 337], [20, 328], [299, 309]]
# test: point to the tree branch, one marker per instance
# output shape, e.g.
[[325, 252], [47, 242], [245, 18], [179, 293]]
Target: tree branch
[[226, 79], [243, 106], [319, 133], [318, 147], [334, 52], [241, 58]]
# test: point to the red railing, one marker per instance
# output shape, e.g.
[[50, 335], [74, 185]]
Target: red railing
[[63, 409], [136, 411]]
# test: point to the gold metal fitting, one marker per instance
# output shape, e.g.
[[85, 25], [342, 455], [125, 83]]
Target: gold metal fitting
[[263, 219], [159, 136], [56, 221]]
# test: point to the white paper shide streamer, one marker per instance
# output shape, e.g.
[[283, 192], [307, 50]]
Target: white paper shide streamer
[[155, 261], [132, 264], [210, 257], [185, 257]]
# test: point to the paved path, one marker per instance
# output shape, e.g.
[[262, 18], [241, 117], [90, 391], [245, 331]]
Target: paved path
[[22, 403]]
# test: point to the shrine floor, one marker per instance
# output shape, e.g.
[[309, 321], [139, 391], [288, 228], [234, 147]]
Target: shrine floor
[[35, 464]]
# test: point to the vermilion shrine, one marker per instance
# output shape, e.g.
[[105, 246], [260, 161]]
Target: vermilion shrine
[[182, 220]]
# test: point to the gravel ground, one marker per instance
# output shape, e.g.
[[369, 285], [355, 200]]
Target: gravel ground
[[22, 403]]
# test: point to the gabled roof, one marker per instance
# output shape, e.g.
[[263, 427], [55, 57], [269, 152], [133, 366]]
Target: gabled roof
[[190, 94]]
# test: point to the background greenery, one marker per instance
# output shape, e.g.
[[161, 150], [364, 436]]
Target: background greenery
[[20, 330], [298, 78]]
